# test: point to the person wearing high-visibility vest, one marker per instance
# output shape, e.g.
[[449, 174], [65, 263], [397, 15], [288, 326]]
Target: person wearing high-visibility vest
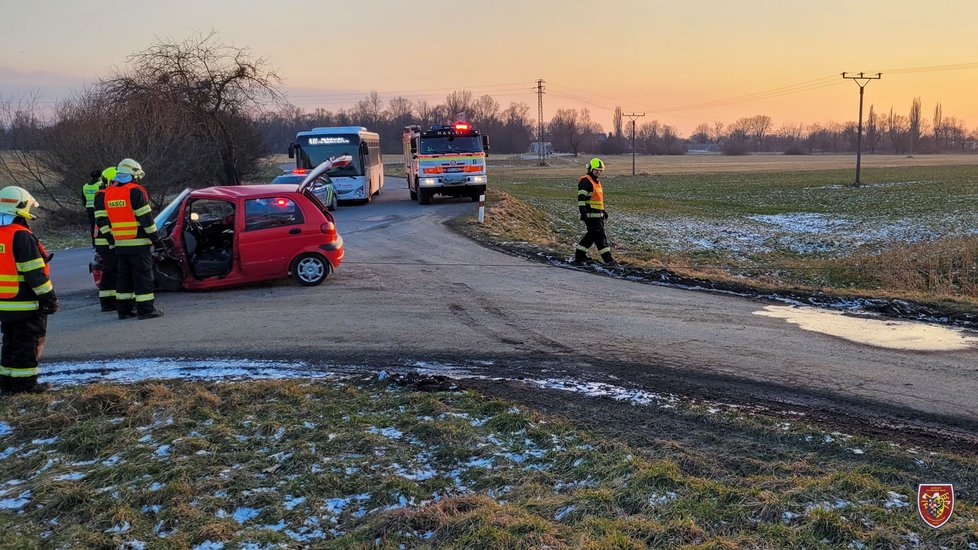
[[88, 196], [26, 294], [590, 201], [133, 233], [104, 249]]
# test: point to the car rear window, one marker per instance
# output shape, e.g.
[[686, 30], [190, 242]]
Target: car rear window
[[271, 212]]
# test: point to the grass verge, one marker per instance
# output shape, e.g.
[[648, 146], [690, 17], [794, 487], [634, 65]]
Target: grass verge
[[370, 464]]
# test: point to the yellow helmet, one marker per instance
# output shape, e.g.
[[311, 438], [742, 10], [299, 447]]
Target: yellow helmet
[[17, 201], [108, 175], [595, 164], [129, 170]]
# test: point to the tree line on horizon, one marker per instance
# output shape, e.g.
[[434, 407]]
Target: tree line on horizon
[[198, 113]]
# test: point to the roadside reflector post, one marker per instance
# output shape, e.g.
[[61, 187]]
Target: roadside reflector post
[[482, 208]]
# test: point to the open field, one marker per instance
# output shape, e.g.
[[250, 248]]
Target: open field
[[270, 464], [909, 231]]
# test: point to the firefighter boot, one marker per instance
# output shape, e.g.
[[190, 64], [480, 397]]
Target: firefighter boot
[[126, 309], [608, 259], [580, 257], [151, 314], [108, 304]]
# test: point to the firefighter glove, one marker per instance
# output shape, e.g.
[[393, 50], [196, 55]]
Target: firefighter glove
[[158, 247], [48, 306], [605, 214]]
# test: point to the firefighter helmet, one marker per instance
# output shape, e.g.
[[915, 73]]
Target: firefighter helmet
[[18, 202], [108, 175], [595, 164], [129, 170]]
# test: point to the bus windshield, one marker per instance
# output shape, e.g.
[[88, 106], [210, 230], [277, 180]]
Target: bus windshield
[[314, 150], [450, 144]]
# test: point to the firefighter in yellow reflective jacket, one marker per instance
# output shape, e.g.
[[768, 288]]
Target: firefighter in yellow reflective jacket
[[26, 294], [590, 201], [133, 233], [104, 251], [88, 196]]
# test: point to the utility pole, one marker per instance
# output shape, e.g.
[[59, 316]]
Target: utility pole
[[862, 81], [632, 117], [540, 150]]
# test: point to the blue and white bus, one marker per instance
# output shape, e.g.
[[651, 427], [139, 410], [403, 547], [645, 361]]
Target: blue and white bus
[[361, 179]]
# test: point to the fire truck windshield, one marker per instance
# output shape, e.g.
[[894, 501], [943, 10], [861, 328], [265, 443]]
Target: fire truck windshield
[[450, 144], [316, 149]]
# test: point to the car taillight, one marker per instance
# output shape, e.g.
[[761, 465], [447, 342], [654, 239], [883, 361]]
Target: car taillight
[[328, 228]]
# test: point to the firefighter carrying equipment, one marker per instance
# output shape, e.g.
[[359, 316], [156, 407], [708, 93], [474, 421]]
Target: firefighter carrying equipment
[[18, 202]]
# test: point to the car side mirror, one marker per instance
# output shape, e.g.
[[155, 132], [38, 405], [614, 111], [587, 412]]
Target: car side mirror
[[292, 150]]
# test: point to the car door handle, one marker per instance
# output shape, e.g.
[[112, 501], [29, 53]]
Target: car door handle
[[295, 231]]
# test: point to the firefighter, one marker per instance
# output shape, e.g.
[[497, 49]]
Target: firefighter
[[26, 294], [105, 245], [88, 196], [590, 201], [134, 235]]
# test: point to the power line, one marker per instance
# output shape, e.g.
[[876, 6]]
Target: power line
[[632, 117], [862, 81]]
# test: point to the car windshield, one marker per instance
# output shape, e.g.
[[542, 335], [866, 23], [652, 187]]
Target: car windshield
[[451, 144], [317, 149], [165, 219]]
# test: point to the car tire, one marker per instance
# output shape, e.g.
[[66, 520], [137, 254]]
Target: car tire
[[310, 269], [424, 196]]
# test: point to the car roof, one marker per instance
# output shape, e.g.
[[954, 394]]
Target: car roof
[[237, 191]]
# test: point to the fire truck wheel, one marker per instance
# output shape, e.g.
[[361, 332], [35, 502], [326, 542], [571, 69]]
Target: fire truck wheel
[[424, 196]]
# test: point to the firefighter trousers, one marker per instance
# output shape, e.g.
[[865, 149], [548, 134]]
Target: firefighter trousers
[[110, 272], [595, 236], [23, 343], [134, 280]]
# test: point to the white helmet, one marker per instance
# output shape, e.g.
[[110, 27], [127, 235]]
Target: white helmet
[[18, 202], [129, 170]]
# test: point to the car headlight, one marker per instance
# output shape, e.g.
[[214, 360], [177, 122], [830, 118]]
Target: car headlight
[[428, 181], [479, 179]]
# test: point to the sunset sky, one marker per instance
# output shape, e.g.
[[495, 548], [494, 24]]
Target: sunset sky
[[681, 63]]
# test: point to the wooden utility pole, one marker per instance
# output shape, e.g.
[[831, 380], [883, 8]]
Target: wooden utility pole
[[861, 80]]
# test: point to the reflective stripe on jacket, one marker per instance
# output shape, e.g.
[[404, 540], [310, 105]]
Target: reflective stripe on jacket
[[123, 214], [24, 275], [89, 190], [590, 201]]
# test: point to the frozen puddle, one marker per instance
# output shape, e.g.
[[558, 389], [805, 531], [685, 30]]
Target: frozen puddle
[[904, 335]]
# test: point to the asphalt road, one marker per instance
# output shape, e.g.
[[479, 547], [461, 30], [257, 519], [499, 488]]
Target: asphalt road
[[411, 289]]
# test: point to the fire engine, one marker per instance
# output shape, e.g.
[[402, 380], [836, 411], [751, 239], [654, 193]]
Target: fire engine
[[445, 160]]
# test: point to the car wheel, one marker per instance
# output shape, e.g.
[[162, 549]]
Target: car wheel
[[310, 269], [424, 196]]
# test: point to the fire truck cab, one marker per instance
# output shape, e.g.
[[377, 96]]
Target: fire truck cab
[[445, 160]]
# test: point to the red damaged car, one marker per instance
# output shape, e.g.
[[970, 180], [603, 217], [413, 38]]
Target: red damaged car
[[235, 235]]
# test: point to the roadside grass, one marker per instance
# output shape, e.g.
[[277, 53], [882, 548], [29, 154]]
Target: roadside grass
[[907, 233], [367, 464]]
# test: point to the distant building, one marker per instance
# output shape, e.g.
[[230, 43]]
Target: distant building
[[548, 148]]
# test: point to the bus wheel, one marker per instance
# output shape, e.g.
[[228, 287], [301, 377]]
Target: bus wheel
[[424, 196]]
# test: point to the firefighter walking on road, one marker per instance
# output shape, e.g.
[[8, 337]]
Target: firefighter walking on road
[[133, 233], [88, 196], [590, 201], [26, 294], [105, 250]]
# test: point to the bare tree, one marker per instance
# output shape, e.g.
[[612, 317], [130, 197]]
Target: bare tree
[[914, 126], [219, 88], [939, 136], [458, 103]]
